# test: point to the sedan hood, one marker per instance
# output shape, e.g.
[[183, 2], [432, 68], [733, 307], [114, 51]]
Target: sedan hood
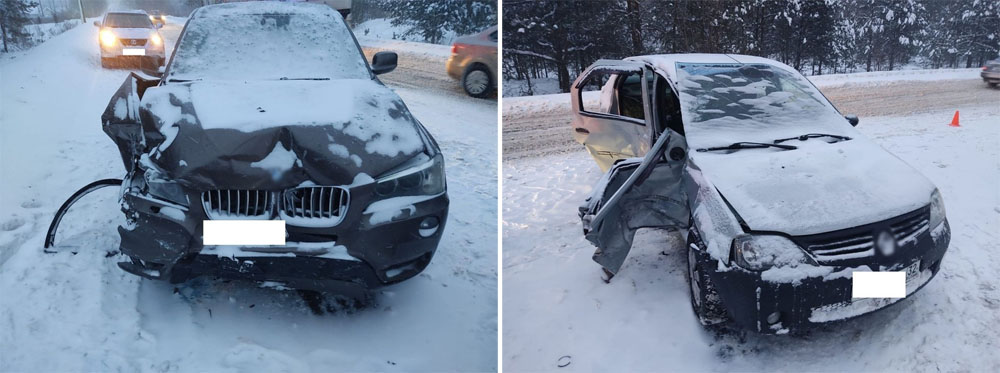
[[276, 134], [816, 188]]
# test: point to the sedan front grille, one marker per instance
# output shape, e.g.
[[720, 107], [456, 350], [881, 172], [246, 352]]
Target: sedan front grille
[[909, 228], [859, 242], [133, 42], [238, 204], [314, 202]]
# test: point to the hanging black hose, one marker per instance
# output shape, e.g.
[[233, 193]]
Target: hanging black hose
[[50, 237]]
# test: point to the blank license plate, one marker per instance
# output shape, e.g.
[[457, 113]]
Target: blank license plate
[[243, 232], [134, 52]]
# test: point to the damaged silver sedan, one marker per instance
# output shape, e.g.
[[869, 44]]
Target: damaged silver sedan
[[269, 111], [781, 198]]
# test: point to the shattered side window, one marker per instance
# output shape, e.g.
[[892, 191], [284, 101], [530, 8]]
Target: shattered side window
[[267, 46], [749, 102]]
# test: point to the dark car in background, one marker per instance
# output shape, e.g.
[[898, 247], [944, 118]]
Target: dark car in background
[[269, 111]]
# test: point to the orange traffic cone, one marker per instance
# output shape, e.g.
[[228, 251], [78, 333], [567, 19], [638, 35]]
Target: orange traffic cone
[[954, 121]]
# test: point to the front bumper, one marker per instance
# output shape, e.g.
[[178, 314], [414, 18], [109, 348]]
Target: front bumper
[[749, 300], [165, 243], [990, 76], [455, 66]]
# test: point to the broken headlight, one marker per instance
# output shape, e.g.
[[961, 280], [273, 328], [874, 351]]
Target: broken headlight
[[937, 209], [164, 189], [421, 176], [760, 252]]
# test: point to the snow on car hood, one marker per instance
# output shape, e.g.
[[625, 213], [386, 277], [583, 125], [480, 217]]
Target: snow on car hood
[[132, 33], [275, 134], [816, 188]]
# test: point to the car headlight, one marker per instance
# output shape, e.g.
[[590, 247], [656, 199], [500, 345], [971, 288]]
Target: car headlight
[[155, 38], [937, 209], [424, 178], [108, 38], [760, 252], [165, 189]]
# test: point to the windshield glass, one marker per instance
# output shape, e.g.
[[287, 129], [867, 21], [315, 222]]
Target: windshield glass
[[127, 20], [726, 103], [272, 45]]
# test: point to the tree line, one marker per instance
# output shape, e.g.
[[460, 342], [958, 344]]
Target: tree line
[[559, 38]]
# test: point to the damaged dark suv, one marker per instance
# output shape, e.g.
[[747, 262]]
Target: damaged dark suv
[[270, 111]]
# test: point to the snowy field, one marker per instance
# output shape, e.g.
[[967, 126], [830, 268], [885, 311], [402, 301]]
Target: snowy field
[[65, 312], [557, 309]]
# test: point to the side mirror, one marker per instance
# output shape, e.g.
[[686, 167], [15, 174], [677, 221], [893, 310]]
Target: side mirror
[[97, 23], [383, 62], [852, 119], [158, 25]]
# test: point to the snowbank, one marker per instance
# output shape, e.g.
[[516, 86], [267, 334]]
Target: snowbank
[[883, 77]]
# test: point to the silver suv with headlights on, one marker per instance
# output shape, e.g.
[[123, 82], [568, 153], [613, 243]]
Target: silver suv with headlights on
[[129, 35]]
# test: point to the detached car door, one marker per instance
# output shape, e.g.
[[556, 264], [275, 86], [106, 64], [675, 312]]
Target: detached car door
[[638, 193], [611, 111]]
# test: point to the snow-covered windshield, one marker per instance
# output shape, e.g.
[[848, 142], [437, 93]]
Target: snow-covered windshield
[[127, 20], [725, 103], [267, 42]]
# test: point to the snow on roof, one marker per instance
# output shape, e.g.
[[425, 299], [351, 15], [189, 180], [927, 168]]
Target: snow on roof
[[666, 63], [262, 7], [129, 11]]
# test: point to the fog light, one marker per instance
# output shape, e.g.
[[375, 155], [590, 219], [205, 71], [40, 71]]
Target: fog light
[[773, 318], [428, 226]]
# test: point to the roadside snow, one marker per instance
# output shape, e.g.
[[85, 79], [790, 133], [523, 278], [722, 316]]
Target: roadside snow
[[883, 77]]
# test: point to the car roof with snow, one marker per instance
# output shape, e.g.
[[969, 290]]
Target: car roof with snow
[[667, 63], [131, 11], [262, 7]]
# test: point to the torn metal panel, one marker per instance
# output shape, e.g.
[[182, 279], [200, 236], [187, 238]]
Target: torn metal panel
[[625, 201]]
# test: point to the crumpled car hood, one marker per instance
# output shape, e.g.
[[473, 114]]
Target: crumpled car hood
[[817, 188], [276, 134]]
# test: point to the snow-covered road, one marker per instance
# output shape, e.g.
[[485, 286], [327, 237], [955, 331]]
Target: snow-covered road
[[557, 309], [66, 312]]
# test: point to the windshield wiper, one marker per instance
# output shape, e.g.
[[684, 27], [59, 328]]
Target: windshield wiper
[[812, 135], [747, 145]]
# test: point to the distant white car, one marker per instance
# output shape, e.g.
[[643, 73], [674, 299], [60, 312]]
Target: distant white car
[[129, 34]]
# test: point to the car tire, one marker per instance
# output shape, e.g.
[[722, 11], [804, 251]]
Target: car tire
[[704, 298], [476, 81], [992, 84]]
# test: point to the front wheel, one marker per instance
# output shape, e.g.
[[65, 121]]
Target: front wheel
[[476, 81], [704, 299]]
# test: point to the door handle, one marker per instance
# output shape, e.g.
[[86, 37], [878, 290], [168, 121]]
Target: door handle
[[581, 130]]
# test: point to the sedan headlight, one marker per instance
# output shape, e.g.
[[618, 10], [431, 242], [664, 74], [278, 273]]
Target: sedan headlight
[[424, 178], [108, 38], [760, 252], [937, 209], [165, 189], [156, 39]]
